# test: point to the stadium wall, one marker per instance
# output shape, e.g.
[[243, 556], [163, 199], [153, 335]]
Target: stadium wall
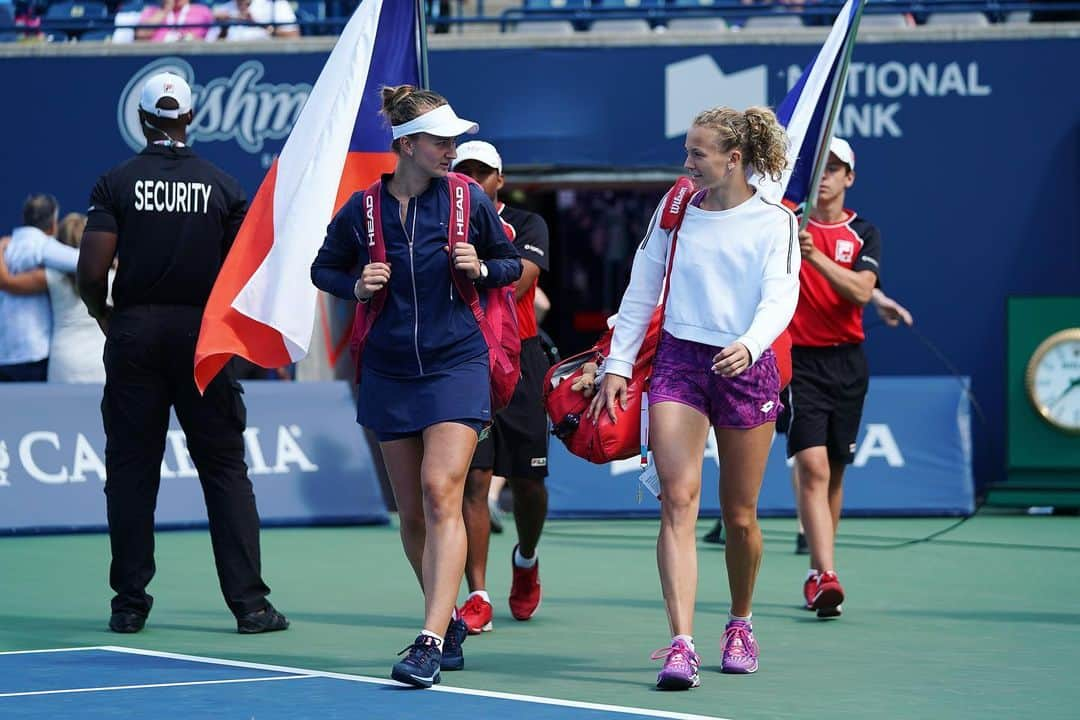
[[968, 145]]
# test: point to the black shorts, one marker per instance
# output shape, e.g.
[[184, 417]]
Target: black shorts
[[824, 402], [518, 444]]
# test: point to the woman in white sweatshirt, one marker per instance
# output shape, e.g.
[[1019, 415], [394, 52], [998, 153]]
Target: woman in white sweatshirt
[[734, 287]]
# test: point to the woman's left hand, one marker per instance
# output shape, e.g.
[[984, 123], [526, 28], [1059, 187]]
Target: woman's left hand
[[732, 360], [466, 260]]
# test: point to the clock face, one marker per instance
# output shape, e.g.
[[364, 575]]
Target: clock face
[[1053, 380]]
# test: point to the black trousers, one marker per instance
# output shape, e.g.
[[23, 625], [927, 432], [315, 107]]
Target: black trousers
[[149, 359]]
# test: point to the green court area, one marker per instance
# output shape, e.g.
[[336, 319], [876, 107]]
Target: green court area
[[983, 622]]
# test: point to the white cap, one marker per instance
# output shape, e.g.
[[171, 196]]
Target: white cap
[[840, 148], [480, 151], [165, 85], [440, 122]]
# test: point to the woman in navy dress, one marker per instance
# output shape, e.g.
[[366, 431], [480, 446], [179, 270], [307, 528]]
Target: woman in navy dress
[[424, 384]]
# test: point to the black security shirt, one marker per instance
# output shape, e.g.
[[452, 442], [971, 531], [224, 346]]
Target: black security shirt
[[175, 216]]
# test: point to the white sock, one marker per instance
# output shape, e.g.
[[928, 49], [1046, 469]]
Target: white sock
[[521, 561], [731, 618], [688, 639], [811, 573], [454, 614], [438, 638], [483, 595]]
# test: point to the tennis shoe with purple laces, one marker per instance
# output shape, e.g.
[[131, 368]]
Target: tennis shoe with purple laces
[[740, 649], [681, 665]]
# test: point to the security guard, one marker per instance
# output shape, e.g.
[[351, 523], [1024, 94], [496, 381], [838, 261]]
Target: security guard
[[168, 218]]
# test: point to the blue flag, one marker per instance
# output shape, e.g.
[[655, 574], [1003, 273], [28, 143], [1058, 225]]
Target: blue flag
[[805, 110]]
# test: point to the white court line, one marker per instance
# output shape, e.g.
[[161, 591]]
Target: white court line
[[53, 650], [154, 685], [437, 688]]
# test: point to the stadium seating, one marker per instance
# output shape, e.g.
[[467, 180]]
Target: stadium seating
[[7, 20], [961, 19]]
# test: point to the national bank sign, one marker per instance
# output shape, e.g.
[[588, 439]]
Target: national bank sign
[[238, 107]]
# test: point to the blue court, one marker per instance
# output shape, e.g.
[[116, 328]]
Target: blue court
[[116, 682]]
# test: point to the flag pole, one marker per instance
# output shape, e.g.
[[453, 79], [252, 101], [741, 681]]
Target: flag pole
[[421, 14], [836, 98]]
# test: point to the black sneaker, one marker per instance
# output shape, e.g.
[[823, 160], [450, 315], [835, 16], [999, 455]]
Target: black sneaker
[[126, 621], [266, 620], [801, 546], [453, 657], [716, 535], [420, 667]]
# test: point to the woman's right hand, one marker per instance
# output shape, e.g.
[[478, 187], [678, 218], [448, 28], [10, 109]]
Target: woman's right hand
[[612, 387], [373, 279]]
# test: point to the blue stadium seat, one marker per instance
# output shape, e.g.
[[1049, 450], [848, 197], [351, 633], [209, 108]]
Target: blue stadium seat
[[311, 12], [626, 4], [77, 11], [556, 4], [7, 19]]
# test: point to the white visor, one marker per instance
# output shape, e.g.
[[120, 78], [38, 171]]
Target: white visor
[[165, 85], [441, 122]]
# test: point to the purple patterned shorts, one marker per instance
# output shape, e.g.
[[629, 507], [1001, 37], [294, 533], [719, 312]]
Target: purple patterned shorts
[[682, 373]]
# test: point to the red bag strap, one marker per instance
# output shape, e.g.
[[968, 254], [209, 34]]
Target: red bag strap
[[460, 201], [376, 244], [678, 197]]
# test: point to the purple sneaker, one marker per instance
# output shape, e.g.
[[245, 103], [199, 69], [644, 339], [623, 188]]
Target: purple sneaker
[[680, 667], [739, 647]]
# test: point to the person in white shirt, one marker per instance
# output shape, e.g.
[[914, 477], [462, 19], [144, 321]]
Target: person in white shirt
[[254, 11], [734, 287], [25, 315], [77, 344]]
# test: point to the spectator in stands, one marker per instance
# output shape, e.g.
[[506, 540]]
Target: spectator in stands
[[734, 287], [77, 344], [264, 12], [175, 14], [26, 319]]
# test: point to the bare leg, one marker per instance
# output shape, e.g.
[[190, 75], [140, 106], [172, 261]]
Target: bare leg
[[448, 449], [814, 472], [530, 512], [402, 459], [836, 493], [743, 455], [678, 435], [477, 528]]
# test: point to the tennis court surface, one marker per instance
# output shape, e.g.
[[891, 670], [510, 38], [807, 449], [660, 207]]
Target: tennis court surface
[[981, 622]]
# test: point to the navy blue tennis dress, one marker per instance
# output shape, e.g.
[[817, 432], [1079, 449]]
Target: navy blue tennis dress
[[425, 360]]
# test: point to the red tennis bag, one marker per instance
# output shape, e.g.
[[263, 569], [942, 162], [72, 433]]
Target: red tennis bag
[[605, 441], [496, 316]]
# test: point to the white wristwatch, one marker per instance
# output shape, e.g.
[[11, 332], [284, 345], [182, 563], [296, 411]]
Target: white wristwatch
[[483, 270]]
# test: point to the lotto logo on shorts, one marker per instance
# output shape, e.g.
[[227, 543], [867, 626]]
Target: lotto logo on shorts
[[768, 406], [538, 462]]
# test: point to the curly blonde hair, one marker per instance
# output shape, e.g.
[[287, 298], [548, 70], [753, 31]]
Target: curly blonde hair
[[755, 132], [402, 103]]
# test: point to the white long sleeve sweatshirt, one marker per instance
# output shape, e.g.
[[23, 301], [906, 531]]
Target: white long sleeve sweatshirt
[[735, 279]]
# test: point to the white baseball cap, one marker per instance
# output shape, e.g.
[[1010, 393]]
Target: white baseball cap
[[479, 151], [165, 85], [840, 148]]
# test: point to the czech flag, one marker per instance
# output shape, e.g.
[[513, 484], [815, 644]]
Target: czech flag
[[263, 305], [810, 109]]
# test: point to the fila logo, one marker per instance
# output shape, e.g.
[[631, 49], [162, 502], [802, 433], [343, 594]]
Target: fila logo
[[845, 251], [768, 406], [369, 215], [538, 462]]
